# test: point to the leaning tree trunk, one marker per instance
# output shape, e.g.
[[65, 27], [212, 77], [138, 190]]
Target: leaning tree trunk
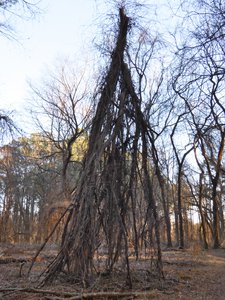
[[100, 214], [79, 238]]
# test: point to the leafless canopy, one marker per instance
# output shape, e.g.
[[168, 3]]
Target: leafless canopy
[[16, 9], [7, 126]]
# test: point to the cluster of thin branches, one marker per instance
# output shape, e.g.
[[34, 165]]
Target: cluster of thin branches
[[114, 179]]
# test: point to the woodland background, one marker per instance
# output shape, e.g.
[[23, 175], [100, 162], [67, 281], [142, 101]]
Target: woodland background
[[137, 157]]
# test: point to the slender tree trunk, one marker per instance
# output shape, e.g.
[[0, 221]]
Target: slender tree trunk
[[179, 207], [176, 220], [222, 232], [166, 212], [216, 218], [202, 215]]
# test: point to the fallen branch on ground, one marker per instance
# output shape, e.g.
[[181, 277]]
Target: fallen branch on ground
[[73, 296]]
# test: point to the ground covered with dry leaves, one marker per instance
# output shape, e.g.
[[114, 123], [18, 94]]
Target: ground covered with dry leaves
[[189, 274]]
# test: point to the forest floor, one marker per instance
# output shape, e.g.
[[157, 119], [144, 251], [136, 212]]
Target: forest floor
[[189, 274]]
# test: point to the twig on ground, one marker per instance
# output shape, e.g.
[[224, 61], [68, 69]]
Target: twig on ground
[[72, 296]]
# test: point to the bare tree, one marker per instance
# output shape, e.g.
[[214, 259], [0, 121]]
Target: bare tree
[[115, 168], [7, 126], [11, 8], [16, 9], [180, 162], [62, 114], [199, 83]]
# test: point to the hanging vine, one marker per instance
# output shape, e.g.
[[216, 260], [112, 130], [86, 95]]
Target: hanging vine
[[104, 216]]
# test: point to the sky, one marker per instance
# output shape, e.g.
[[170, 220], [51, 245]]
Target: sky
[[58, 31], [62, 29]]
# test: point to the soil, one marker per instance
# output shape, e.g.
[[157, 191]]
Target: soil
[[189, 274]]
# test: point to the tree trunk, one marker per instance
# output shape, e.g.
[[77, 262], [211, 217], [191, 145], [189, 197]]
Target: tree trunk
[[166, 212], [176, 220], [179, 207], [216, 218], [202, 215]]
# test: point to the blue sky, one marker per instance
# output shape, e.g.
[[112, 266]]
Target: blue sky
[[61, 30]]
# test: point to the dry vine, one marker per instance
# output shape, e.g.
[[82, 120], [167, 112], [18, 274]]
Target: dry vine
[[115, 176]]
